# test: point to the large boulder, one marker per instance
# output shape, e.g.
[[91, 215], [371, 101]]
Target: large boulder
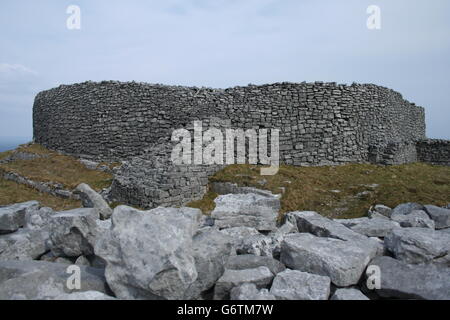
[[250, 261], [313, 223], [149, 254], [414, 219], [12, 217], [33, 280], [246, 210], [297, 285], [405, 209], [91, 199], [419, 245], [249, 291], [24, 244], [261, 277], [211, 251], [239, 233], [73, 233], [342, 261], [406, 281], [258, 244], [345, 294], [39, 219], [440, 216], [375, 227]]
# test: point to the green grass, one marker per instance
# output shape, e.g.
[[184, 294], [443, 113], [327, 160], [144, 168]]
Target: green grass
[[346, 191]]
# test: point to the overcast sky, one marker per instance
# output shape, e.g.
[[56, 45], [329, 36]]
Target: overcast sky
[[223, 43]]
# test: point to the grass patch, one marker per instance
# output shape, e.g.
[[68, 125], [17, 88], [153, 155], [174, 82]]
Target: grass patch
[[206, 204], [55, 167], [346, 191], [12, 192]]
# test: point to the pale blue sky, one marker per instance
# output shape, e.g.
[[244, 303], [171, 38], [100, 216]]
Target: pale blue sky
[[223, 43]]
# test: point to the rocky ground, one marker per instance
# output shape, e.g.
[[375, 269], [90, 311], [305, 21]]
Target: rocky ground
[[240, 252]]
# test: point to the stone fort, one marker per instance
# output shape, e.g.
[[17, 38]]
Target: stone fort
[[319, 123]]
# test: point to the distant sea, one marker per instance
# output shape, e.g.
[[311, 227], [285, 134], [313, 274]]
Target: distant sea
[[9, 143]]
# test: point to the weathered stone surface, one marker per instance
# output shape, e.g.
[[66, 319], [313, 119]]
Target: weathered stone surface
[[297, 285], [86, 295], [375, 227], [342, 261], [406, 281], [211, 250], [419, 245], [260, 277], [13, 217], [405, 208], [445, 230], [440, 216], [348, 294], [44, 280], [250, 261], [38, 219], [258, 244], [91, 199], [149, 254], [82, 261], [73, 232], [380, 209], [238, 234], [314, 223], [414, 219], [246, 210], [248, 291], [23, 244]]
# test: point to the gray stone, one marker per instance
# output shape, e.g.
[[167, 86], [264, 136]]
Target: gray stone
[[261, 277], [445, 230], [23, 244], [12, 217], [82, 261], [346, 294], [211, 251], [86, 295], [374, 227], [149, 254], [62, 260], [91, 199], [342, 261], [38, 219], [250, 261], [314, 223], [415, 219], [246, 210], [406, 281], [33, 280], [380, 209], [297, 285], [73, 232], [259, 245], [419, 245], [248, 291], [405, 208], [440, 216], [239, 233]]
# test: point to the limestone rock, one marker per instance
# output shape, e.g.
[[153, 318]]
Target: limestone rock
[[211, 250], [342, 261], [149, 254], [250, 261], [91, 199], [346, 294], [24, 244], [405, 208], [416, 218], [33, 280], [374, 227], [419, 245], [85, 295], [260, 277], [380, 209], [73, 232], [440, 216], [246, 210], [259, 245], [38, 219], [12, 217], [406, 281], [82, 261], [297, 285], [248, 291]]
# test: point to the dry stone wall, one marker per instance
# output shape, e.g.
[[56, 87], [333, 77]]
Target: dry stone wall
[[319, 123]]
